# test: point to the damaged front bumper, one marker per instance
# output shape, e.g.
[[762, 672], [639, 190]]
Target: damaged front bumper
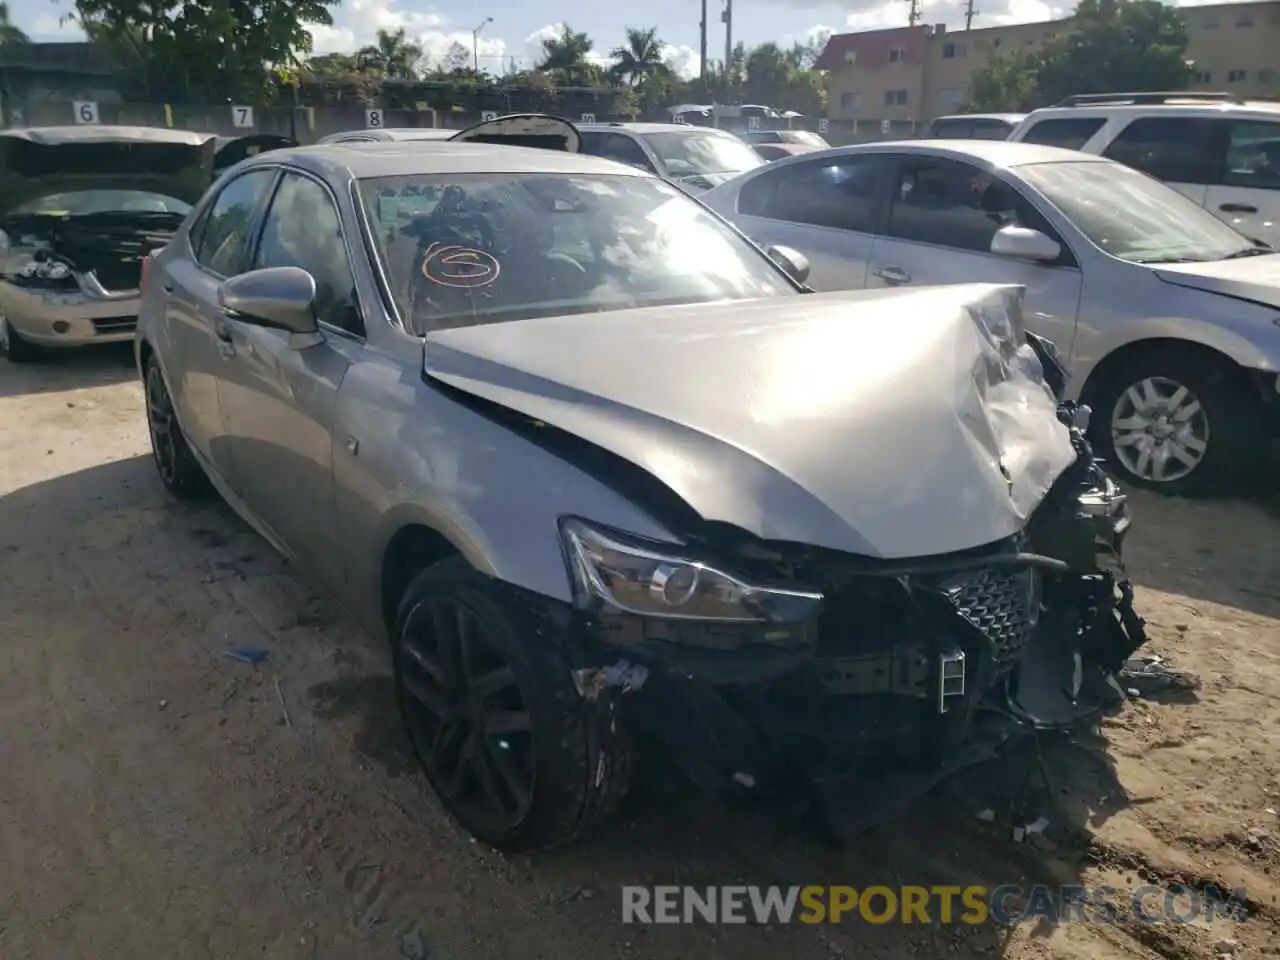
[[910, 672]]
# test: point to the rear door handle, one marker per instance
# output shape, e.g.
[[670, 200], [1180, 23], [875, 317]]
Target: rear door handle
[[1237, 208], [892, 275]]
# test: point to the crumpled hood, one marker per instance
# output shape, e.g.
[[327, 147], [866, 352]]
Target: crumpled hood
[[873, 422], [1249, 278], [41, 161]]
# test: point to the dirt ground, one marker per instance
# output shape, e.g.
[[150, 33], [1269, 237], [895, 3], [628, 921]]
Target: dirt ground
[[158, 799]]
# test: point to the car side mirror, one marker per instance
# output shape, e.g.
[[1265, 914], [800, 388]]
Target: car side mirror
[[282, 298], [1023, 243], [793, 261]]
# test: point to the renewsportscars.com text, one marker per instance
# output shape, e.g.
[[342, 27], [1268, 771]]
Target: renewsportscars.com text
[[929, 906]]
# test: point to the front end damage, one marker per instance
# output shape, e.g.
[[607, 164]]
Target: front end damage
[[862, 683]]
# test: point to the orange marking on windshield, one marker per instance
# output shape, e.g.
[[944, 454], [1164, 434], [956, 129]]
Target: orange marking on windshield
[[466, 268]]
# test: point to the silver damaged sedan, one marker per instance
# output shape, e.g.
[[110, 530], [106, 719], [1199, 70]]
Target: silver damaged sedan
[[600, 469]]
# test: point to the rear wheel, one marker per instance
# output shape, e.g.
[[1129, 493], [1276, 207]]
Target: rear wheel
[[1179, 422], [14, 347], [494, 718], [179, 470]]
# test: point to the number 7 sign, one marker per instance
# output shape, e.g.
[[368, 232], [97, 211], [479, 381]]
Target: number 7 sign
[[242, 117]]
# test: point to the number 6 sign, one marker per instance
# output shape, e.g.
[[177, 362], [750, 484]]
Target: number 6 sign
[[85, 111]]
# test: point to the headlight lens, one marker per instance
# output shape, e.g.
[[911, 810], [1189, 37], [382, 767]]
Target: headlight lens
[[653, 580]]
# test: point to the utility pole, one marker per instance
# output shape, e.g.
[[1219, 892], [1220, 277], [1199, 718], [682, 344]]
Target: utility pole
[[702, 48], [970, 11], [916, 13], [727, 17]]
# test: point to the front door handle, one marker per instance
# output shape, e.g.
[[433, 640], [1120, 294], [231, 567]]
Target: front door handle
[[892, 275], [222, 333], [1237, 208]]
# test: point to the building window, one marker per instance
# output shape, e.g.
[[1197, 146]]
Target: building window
[[953, 98], [1237, 76], [895, 98], [851, 57], [1244, 20], [953, 51], [852, 102], [1211, 23], [1202, 76], [896, 54]]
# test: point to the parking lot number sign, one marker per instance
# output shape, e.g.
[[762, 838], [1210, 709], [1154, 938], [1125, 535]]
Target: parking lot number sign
[[373, 119], [588, 118], [86, 111], [824, 125], [753, 123], [487, 115], [884, 126], [242, 117]]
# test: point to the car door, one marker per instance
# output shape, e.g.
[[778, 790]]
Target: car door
[[220, 241], [277, 390], [1246, 193], [827, 209], [942, 216], [1181, 151]]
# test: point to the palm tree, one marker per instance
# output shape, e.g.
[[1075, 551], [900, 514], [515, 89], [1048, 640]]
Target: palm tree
[[568, 52], [640, 57], [394, 54], [8, 32]]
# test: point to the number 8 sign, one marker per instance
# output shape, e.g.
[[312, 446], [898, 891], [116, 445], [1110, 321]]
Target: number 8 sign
[[85, 111]]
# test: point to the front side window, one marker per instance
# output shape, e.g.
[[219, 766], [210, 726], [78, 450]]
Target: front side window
[[223, 240], [1132, 216], [1173, 149], [1070, 133], [842, 193], [303, 229], [466, 249], [955, 204], [702, 154], [1253, 154]]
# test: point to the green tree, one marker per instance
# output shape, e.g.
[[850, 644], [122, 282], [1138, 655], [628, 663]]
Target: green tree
[[393, 53], [1111, 46], [566, 53], [214, 49], [639, 58], [8, 32]]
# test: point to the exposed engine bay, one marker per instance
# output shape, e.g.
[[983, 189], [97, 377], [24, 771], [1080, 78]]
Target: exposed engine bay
[[911, 671]]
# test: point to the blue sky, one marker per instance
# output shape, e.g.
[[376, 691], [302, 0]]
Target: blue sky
[[518, 25]]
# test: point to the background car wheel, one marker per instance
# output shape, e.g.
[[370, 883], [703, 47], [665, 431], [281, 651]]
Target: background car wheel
[[1178, 422], [13, 347], [177, 466], [493, 715]]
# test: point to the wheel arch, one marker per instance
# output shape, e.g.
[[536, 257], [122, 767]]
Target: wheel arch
[[1110, 365], [414, 545]]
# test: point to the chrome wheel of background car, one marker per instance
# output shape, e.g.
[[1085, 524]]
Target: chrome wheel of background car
[[466, 714], [163, 425], [1159, 430]]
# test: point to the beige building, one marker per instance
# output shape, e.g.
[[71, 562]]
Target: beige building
[[921, 72]]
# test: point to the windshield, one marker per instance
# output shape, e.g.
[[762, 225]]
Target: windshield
[[691, 154], [81, 203], [1132, 216], [468, 249]]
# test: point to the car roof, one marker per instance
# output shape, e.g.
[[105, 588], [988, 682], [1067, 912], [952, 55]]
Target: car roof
[[995, 153], [393, 133], [102, 133], [390, 158], [642, 128], [1189, 106], [1005, 117]]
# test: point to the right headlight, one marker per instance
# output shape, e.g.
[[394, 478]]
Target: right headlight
[[613, 570]]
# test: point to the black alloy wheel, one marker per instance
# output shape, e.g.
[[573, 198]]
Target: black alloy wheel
[[466, 715], [179, 471]]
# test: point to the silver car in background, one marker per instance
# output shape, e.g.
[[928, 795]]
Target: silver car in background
[[1169, 317], [598, 466], [80, 208]]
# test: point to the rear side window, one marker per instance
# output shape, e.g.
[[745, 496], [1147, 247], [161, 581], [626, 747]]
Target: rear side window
[[1070, 133], [1253, 155], [946, 129], [844, 193], [991, 129], [1173, 149], [224, 240]]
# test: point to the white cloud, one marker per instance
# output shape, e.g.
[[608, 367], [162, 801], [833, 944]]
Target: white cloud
[[358, 22]]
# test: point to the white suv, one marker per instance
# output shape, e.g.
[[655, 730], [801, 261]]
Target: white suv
[[1221, 151]]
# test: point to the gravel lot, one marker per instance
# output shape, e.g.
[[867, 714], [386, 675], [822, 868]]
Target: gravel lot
[[156, 802]]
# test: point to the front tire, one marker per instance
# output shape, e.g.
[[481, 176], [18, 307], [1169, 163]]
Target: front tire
[[493, 715], [14, 347], [1175, 421], [179, 470]]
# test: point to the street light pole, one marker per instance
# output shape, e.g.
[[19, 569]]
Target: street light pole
[[475, 43]]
